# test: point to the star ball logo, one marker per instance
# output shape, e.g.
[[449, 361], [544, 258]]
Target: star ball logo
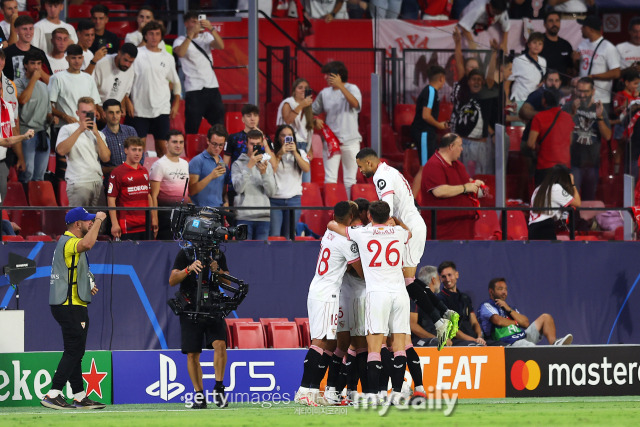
[[525, 375]]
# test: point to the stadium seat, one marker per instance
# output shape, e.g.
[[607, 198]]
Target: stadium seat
[[389, 144], [516, 226], [265, 321], [305, 238], [13, 174], [367, 191], [317, 171], [311, 195], [515, 137], [487, 226], [149, 161], [52, 163], [177, 122], [304, 331], [334, 193], [248, 335], [270, 116], [230, 324], [444, 112], [30, 222], [410, 164], [489, 200], [233, 121], [283, 335], [41, 194], [316, 220], [403, 115], [40, 238], [63, 199], [204, 127], [277, 238], [610, 190], [79, 11], [15, 195], [121, 28], [195, 144], [16, 238]]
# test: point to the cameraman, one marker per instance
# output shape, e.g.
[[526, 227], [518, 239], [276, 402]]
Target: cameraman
[[185, 271]]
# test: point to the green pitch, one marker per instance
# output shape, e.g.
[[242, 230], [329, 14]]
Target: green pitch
[[572, 411]]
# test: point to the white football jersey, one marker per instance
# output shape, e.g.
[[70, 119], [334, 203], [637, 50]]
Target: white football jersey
[[382, 251], [394, 189], [336, 252]]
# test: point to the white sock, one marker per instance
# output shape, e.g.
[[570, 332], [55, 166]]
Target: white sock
[[303, 390], [53, 393], [80, 396], [439, 324], [420, 389]]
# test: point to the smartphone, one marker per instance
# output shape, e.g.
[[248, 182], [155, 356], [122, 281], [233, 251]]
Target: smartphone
[[202, 17], [91, 115], [288, 139], [308, 92]]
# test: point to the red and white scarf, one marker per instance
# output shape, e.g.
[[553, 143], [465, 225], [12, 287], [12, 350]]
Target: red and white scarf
[[5, 119]]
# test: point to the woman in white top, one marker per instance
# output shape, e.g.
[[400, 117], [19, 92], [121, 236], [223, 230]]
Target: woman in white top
[[296, 112], [556, 191], [291, 164]]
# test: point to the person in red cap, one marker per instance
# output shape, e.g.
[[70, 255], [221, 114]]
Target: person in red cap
[[70, 292]]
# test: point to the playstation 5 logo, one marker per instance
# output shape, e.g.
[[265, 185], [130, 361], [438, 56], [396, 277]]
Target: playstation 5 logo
[[165, 387]]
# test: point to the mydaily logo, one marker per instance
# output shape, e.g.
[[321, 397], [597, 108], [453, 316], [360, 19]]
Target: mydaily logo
[[165, 387]]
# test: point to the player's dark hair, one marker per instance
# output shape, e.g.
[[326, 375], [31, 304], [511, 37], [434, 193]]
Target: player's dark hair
[[363, 204], [379, 211], [336, 67], [53, 2], [217, 129], [499, 6], [549, 72], [633, 22], [448, 139], [255, 134], [587, 80], [100, 8], [22, 20], [129, 49], [32, 56], [85, 24], [550, 98], [74, 50], [536, 36], [446, 264], [492, 282], [134, 140], [435, 71], [551, 12], [366, 152], [174, 132], [630, 74], [111, 103], [153, 25], [250, 109], [190, 15], [341, 212]]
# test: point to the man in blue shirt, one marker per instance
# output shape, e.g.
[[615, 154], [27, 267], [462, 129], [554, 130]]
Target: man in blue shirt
[[208, 174], [115, 134]]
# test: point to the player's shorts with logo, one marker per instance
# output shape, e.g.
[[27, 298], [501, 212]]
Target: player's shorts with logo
[[351, 316], [415, 245], [323, 318], [387, 312]]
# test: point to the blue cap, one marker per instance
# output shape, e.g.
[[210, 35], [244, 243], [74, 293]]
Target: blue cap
[[78, 214]]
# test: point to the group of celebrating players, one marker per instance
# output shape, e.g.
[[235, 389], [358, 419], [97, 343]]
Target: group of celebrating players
[[359, 299]]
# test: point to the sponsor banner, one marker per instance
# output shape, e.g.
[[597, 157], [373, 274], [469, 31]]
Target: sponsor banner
[[25, 378], [471, 372], [250, 376], [573, 371]]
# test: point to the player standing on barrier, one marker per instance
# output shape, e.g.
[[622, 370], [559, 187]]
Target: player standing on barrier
[[71, 288], [396, 191]]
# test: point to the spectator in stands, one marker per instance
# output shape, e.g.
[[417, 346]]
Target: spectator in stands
[[10, 12], [629, 51], [503, 323], [7, 139], [208, 173], [128, 188], [533, 105], [625, 104], [528, 70], [480, 15], [115, 135], [591, 126], [557, 51], [145, 15], [103, 37], [557, 190], [341, 101], [155, 70], [60, 41], [83, 146], [13, 67], [296, 111], [35, 113], [326, 9], [385, 9], [237, 142], [469, 329], [423, 331], [202, 97], [425, 126], [86, 37], [253, 182], [9, 91], [168, 176], [599, 60], [445, 182], [44, 27], [550, 136], [359, 9], [292, 163], [571, 9], [114, 76]]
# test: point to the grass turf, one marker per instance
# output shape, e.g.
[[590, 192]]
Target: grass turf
[[572, 411]]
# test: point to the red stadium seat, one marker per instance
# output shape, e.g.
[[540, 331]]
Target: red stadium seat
[[63, 199], [265, 321], [52, 163], [305, 238], [367, 191], [444, 112], [516, 226], [411, 164], [277, 238], [41, 194], [304, 330], [79, 11], [311, 195], [487, 226], [389, 144], [610, 190], [195, 144], [121, 28], [15, 195], [334, 193], [40, 238], [230, 324], [12, 238], [177, 122], [316, 220], [515, 137], [30, 222], [233, 121], [248, 335], [13, 174], [270, 116], [317, 171], [283, 335], [403, 115]]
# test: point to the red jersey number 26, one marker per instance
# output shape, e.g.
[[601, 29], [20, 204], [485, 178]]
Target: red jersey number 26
[[392, 255]]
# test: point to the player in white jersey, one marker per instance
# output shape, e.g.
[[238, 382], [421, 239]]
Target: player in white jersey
[[336, 253], [394, 189]]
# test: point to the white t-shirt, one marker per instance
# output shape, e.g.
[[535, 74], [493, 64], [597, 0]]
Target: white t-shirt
[[153, 72], [606, 58], [341, 118], [476, 13], [171, 176], [42, 34], [299, 125], [629, 53], [382, 250], [65, 89], [6, 28], [320, 8], [526, 76], [336, 253], [559, 199], [289, 176], [197, 70], [112, 82], [393, 188], [83, 164], [58, 64], [87, 57], [572, 6]]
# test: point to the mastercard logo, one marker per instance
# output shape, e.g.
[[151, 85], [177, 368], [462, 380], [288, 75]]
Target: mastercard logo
[[525, 375]]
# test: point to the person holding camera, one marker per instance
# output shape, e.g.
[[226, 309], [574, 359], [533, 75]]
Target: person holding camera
[[254, 182], [292, 163], [83, 146], [185, 271]]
